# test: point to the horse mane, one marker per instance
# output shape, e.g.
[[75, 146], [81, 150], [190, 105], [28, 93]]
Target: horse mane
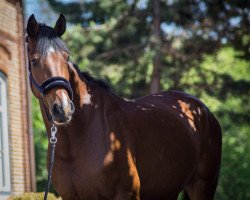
[[86, 76], [47, 39]]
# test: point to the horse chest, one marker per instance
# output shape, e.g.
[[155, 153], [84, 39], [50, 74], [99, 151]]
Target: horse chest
[[85, 177]]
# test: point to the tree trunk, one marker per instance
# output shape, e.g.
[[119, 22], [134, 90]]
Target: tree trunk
[[156, 47]]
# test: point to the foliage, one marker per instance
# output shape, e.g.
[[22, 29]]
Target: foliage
[[33, 196], [229, 101], [119, 35]]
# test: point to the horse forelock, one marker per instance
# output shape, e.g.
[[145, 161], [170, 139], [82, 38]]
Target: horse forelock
[[49, 41]]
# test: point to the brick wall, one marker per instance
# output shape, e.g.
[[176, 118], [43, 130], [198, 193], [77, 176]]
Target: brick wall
[[11, 41]]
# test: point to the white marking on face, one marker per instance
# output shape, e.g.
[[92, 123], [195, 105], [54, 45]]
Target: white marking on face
[[51, 50], [65, 101], [87, 99]]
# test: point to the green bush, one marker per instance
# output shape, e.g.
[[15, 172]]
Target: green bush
[[34, 196]]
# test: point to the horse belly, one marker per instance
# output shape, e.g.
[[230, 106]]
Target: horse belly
[[163, 177]]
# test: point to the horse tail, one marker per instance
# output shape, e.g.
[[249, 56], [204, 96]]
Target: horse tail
[[185, 196]]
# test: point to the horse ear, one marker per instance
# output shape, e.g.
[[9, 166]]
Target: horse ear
[[32, 26], [60, 26]]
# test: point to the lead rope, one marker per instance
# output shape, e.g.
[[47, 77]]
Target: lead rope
[[52, 142]]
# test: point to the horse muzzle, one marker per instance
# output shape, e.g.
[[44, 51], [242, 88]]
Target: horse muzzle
[[61, 113]]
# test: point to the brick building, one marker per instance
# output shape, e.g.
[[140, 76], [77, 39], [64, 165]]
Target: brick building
[[16, 144]]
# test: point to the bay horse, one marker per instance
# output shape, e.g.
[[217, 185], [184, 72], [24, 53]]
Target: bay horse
[[150, 148]]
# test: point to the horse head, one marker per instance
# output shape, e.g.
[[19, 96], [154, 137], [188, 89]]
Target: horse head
[[49, 69]]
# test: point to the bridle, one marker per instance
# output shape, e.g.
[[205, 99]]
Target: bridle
[[49, 84]]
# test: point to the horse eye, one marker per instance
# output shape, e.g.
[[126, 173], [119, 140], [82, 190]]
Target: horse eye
[[34, 62]]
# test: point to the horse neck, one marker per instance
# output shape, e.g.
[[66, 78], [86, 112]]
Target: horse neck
[[90, 100], [93, 104]]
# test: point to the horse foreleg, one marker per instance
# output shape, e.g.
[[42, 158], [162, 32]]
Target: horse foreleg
[[128, 188]]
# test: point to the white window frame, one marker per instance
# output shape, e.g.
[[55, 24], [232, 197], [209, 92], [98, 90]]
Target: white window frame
[[4, 139]]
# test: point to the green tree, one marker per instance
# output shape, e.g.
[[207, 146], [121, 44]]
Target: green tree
[[171, 35], [223, 83]]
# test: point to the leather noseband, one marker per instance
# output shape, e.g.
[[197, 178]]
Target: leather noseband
[[51, 83]]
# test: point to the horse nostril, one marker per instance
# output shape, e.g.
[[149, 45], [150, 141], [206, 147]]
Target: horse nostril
[[56, 110], [72, 107]]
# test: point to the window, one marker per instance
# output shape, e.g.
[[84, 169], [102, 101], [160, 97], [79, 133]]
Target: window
[[4, 138]]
